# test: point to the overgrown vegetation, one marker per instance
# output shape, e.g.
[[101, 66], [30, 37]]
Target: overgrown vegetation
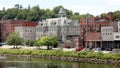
[[61, 53]]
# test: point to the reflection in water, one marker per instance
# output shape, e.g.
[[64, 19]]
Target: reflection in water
[[38, 63]]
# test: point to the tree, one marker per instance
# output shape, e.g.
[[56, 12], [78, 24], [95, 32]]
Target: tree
[[103, 15], [49, 14], [75, 16], [116, 15], [11, 13], [48, 41], [33, 14], [14, 39], [86, 15], [22, 14], [30, 42], [54, 40]]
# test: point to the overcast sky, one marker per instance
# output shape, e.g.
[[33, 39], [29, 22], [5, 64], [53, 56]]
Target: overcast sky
[[95, 7]]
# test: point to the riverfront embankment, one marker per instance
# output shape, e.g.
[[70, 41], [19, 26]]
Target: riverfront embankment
[[75, 56]]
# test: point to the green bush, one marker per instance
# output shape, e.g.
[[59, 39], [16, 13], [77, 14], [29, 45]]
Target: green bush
[[61, 53]]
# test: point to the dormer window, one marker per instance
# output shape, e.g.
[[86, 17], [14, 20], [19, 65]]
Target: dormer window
[[41, 24], [63, 15], [54, 23]]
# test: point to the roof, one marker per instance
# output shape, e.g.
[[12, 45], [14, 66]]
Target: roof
[[93, 36], [62, 10]]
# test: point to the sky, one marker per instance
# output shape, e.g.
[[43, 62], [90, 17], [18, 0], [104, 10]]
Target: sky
[[94, 7]]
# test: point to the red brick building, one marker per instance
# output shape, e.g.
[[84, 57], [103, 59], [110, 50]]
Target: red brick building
[[8, 26], [90, 30]]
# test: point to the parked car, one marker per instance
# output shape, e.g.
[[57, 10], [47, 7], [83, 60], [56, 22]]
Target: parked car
[[79, 48]]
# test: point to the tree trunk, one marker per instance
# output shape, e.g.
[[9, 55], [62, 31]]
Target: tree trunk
[[48, 48], [14, 46]]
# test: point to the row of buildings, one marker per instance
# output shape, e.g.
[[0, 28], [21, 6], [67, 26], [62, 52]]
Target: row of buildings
[[86, 32], [65, 29], [100, 32]]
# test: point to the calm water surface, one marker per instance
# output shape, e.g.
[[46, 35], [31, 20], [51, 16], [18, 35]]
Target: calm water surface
[[14, 62]]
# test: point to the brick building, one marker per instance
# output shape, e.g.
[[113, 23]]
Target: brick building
[[8, 26], [90, 30]]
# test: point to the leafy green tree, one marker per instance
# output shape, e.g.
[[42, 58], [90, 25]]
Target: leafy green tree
[[49, 14], [33, 14], [116, 15], [30, 42], [48, 41], [75, 16], [54, 40], [11, 13], [1, 14], [69, 13], [86, 15], [103, 15], [45, 41], [14, 39], [22, 14], [56, 9]]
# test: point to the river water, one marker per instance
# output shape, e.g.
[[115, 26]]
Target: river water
[[15, 62]]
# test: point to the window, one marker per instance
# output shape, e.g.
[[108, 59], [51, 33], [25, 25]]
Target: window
[[41, 24], [30, 30], [116, 36], [103, 33], [106, 33], [25, 30], [54, 23]]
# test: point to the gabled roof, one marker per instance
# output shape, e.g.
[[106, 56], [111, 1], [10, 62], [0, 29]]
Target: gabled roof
[[62, 10]]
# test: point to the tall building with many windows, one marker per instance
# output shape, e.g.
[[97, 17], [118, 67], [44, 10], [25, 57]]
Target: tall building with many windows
[[8, 26], [27, 33], [62, 27]]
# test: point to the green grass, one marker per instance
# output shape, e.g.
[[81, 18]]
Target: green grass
[[61, 53]]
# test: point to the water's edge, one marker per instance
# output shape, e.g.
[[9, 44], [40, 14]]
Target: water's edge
[[71, 59]]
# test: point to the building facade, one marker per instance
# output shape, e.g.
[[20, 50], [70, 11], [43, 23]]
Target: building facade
[[107, 38], [90, 30], [116, 39], [27, 33], [62, 27], [8, 26], [118, 26], [107, 33]]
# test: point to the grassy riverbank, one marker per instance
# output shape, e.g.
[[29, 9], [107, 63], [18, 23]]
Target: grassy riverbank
[[61, 53]]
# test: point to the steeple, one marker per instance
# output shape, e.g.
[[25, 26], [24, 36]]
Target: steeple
[[62, 12]]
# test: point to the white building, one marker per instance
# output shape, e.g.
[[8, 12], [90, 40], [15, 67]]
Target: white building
[[118, 26], [62, 27], [27, 33], [116, 36], [107, 33]]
